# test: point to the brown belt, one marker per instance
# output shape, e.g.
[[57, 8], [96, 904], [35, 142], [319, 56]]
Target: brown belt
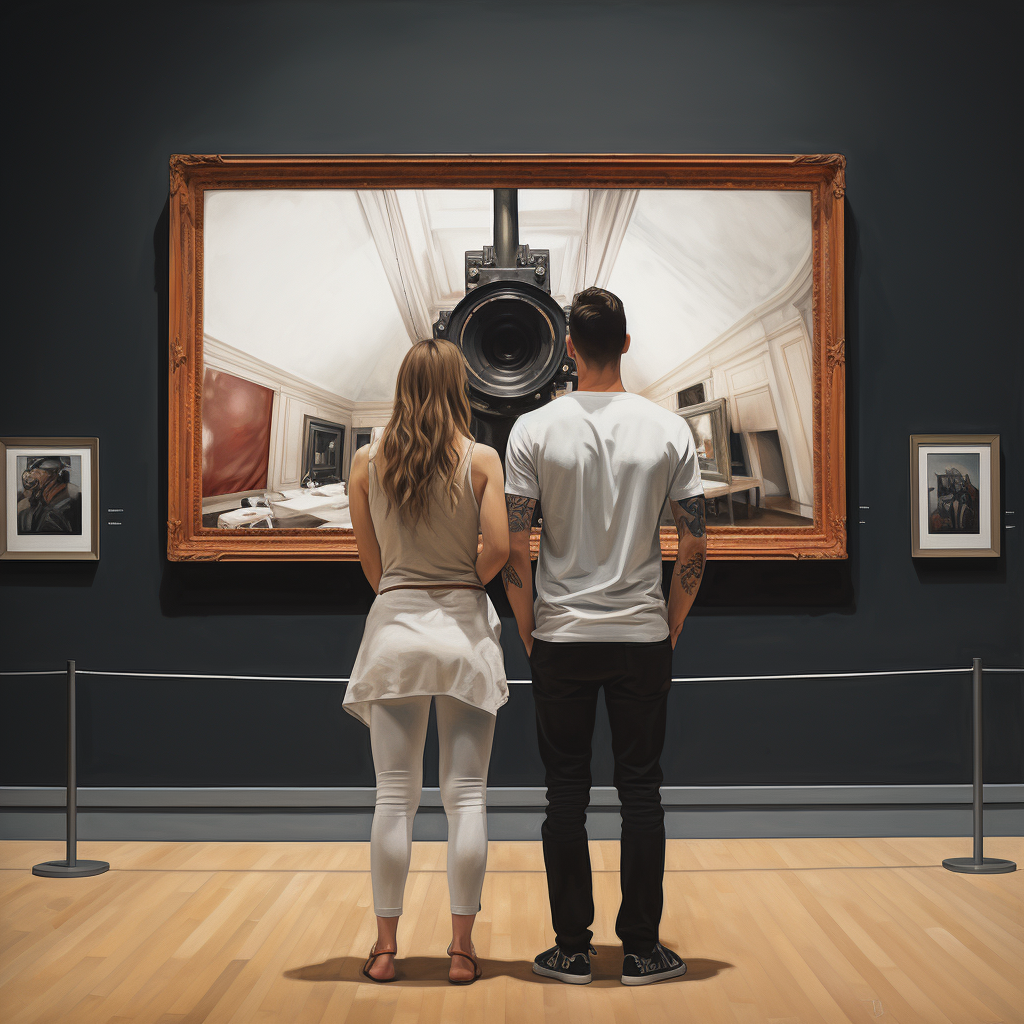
[[432, 586]]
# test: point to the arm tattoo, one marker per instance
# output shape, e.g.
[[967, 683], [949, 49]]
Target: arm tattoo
[[690, 572], [690, 513], [510, 577], [520, 512]]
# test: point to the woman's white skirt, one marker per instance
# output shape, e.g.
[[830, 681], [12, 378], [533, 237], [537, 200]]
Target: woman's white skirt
[[428, 642]]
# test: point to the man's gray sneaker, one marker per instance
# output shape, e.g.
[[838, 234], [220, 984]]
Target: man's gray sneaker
[[659, 964], [572, 968]]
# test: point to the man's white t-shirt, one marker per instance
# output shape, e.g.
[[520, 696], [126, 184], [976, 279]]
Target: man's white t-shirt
[[602, 464]]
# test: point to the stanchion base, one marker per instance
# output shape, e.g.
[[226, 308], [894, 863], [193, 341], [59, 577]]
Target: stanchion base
[[988, 866], [80, 869]]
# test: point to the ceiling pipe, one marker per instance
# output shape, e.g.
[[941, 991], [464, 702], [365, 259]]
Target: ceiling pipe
[[506, 226]]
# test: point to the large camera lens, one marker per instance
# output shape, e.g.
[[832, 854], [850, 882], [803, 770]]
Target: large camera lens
[[513, 337], [508, 335]]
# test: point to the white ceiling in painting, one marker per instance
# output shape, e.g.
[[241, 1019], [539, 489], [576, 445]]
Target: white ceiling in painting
[[694, 262], [294, 279], [333, 285], [443, 224]]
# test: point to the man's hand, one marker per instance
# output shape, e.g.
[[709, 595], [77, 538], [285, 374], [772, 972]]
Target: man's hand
[[674, 634]]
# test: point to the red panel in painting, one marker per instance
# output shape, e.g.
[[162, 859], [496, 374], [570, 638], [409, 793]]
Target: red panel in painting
[[236, 433]]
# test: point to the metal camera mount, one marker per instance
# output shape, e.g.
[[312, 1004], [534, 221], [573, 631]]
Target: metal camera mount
[[509, 328]]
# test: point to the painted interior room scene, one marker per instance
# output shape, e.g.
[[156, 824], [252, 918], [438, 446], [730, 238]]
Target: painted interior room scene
[[313, 297]]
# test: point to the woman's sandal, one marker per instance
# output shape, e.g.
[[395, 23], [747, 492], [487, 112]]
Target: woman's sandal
[[470, 958], [374, 953]]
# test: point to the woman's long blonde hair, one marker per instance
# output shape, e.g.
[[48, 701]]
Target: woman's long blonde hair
[[422, 441]]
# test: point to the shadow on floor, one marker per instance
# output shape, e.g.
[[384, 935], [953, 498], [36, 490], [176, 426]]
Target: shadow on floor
[[430, 971]]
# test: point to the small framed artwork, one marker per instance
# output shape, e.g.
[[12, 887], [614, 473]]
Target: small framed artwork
[[325, 445], [954, 495], [49, 498], [709, 424]]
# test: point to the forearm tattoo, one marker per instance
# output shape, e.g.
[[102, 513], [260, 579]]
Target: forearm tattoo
[[690, 572], [689, 513], [510, 577], [520, 512]]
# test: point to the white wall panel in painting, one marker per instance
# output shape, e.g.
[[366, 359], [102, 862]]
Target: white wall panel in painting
[[790, 349], [753, 410], [746, 376], [295, 411], [797, 361]]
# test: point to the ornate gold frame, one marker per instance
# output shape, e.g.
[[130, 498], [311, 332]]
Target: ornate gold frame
[[823, 175]]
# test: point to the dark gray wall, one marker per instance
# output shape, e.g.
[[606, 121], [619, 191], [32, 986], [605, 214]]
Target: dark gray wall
[[923, 100]]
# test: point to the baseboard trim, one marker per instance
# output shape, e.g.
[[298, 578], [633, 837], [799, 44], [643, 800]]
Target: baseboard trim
[[254, 814]]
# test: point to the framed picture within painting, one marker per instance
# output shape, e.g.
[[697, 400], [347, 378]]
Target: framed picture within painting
[[709, 425], [954, 495], [298, 283], [49, 498], [325, 443]]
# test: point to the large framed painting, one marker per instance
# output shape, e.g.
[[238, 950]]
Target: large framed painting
[[954, 495], [297, 284]]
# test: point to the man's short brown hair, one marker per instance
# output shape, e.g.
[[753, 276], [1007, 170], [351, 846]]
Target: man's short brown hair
[[597, 326]]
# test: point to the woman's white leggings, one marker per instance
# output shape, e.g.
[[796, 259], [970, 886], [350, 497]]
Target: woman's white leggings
[[398, 731]]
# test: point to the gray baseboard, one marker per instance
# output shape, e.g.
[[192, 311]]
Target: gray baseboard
[[344, 814]]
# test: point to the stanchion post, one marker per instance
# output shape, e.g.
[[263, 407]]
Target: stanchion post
[[977, 675], [72, 790], [979, 863], [71, 866]]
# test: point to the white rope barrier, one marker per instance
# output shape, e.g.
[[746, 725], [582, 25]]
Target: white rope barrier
[[71, 867], [45, 672], [514, 682]]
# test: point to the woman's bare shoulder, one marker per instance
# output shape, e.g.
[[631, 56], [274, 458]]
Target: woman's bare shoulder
[[484, 456], [360, 461]]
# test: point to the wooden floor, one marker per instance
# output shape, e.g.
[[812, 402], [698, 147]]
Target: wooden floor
[[781, 931]]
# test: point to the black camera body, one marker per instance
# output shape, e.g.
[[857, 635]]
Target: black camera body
[[509, 328]]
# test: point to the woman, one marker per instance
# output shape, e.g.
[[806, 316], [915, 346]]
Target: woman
[[419, 499]]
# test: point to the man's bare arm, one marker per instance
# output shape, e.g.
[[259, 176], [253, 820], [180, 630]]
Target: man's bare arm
[[691, 525], [516, 575], [520, 512]]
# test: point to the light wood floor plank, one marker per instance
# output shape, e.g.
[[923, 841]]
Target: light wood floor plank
[[986, 991], [787, 931]]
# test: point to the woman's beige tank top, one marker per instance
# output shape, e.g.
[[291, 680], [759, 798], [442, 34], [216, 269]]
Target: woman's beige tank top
[[441, 548]]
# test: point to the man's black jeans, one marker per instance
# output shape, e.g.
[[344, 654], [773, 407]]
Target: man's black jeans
[[636, 678]]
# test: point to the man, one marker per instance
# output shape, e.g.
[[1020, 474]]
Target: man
[[602, 462], [48, 505]]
